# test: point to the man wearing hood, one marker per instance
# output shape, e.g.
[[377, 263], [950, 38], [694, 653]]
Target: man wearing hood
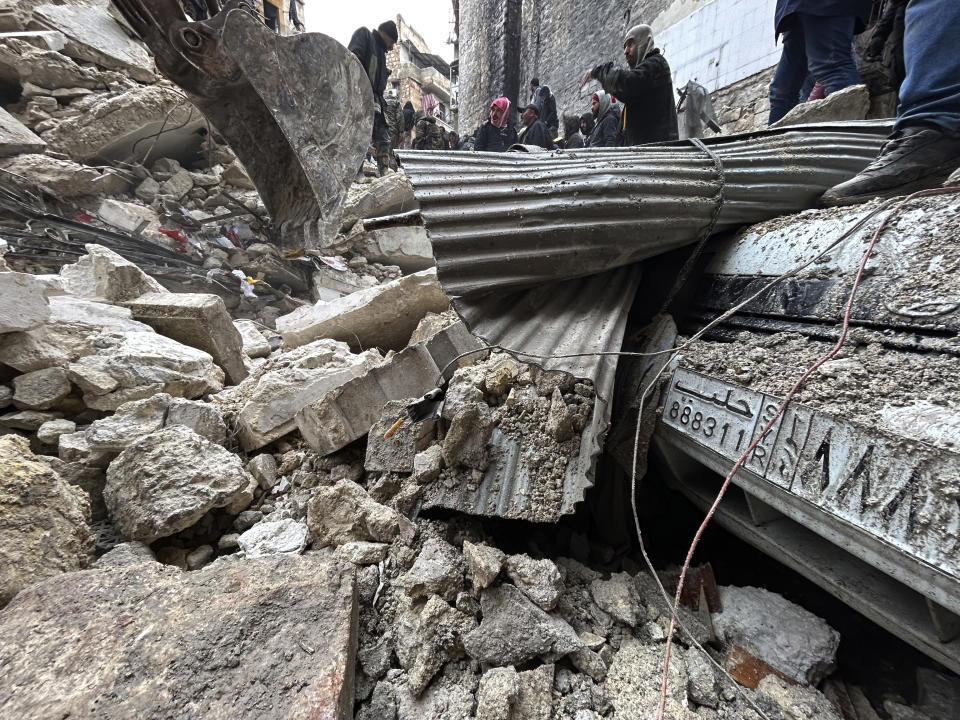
[[548, 110], [586, 124], [645, 89], [606, 131], [370, 47], [498, 133]]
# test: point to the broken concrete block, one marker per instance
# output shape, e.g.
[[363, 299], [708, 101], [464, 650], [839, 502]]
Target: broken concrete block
[[778, 632], [404, 245], [271, 538], [91, 381], [40, 39], [850, 103], [235, 174], [514, 630], [23, 303], [427, 638], [30, 420], [104, 276], [178, 185], [94, 36], [634, 695], [619, 598], [40, 389], [128, 216], [113, 123], [263, 468], [465, 444], [166, 481], [346, 414], [396, 453], [345, 512], [267, 401], [382, 316], [199, 320], [64, 178], [386, 195], [147, 190], [255, 345], [43, 521], [438, 570], [15, 137], [64, 661], [148, 363], [484, 563], [201, 417], [796, 701], [538, 579], [497, 694]]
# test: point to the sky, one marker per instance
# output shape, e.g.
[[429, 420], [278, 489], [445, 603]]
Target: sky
[[339, 18]]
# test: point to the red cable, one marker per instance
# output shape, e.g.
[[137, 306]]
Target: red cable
[[793, 391]]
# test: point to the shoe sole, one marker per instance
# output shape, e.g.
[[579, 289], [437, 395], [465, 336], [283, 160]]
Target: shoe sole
[[934, 178]]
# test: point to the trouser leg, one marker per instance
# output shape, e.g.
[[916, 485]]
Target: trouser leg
[[930, 93], [828, 45], [790, 74]]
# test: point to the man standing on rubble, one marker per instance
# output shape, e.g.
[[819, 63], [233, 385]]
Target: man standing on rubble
[[925, 144], [370, 47], [645, 89], [816, 41]]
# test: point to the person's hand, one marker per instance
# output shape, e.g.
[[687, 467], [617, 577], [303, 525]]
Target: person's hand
[[587, 77]]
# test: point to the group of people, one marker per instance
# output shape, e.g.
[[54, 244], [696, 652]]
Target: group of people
[[635, 104]]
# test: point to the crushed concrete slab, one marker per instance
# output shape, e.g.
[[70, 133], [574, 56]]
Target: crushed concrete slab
[[43, 522], [94, 36], [64, 178], [382, 316], [778, 632], [147, 363], [428, 636], [255, 345], [270, 637], [268, 400], [538, 579], [166, 481], [199, 320], [113, 123], [633, 682], [514, 630], [104, 276], [15, 137], [23, 302], [406, 246], [346, 414], [850, 103], [271, 538], [387, 195]]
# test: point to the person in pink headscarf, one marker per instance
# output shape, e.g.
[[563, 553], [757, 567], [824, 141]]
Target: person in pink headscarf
[[499, 132]]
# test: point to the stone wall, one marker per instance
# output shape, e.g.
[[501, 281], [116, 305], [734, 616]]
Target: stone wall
[[744, 105]]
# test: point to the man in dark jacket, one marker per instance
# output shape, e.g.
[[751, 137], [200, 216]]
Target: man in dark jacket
[[534, 131], [548, 110], [370, 47], [572, 139], [429, 135], [606, 132], [498, 133], [816, 39], [645, 89]]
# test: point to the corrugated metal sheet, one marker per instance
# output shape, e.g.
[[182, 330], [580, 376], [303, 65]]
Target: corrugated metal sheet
[[539, 252]]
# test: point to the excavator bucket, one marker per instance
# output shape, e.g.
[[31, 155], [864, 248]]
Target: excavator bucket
[[293, 109]]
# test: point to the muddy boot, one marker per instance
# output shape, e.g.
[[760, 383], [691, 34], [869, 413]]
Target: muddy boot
[[913, 158]]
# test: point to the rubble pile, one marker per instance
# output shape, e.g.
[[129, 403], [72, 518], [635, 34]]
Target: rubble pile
[[221, 462]]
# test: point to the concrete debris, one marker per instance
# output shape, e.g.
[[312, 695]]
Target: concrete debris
[[64, 178], [104, 276], [780, 633], [850, 103], [269, 538], [387, 195], [64, 648], [43, 521], [438, 570], [267, 401], [255, 345], [199, 320], [15, 137], [538, 579], [796, 702], [166, 481], [406, 246], [40, 389], [428, 635], [483, 562], [51, 431], [124, 554], [23, 302], [634, 687], [497, 694], [345, 513], [619, 597], [383, 316], [398, 452]]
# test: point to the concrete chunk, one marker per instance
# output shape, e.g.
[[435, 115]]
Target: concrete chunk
[[64, 178], [199, 320], [94, 36], [40, 389], [396, 453], [15, 137], [255, 345], [104, 276], [404, 245], [23, 302], [382, 316], [342, 416]]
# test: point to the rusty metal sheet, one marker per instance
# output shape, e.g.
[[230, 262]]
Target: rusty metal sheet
[[889, 500]]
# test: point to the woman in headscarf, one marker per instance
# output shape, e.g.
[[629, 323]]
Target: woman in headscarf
[[498, 133], [645, 89], [606, 132]]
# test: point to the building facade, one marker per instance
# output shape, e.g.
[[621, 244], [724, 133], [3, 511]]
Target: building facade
[[284, 16], [415, 72]]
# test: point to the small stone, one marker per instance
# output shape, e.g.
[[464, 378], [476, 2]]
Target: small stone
[[263, 467], [228, 542], [363, 553], [199, 557], [49, 433], [497, 694], [466, 440], [427, 465], [438, 570], [269, 538], [619, 598], [483, 562], [147, 190], [539, 579], [559, 418], [247, 519], [428, 635], [40, 389], [701, 683]]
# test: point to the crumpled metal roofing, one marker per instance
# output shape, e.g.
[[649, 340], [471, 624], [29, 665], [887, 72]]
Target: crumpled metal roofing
[[538, 251]]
